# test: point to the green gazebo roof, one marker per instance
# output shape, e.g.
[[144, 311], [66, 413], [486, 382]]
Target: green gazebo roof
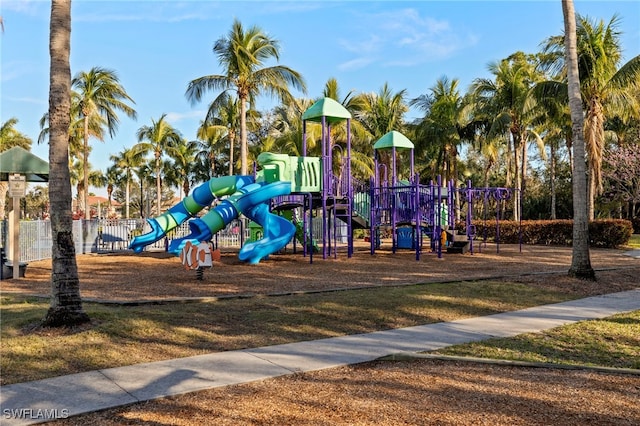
[[333, 111], [19, 160], [393, 139]]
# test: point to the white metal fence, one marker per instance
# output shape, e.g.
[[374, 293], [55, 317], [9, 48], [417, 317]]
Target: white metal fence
[[105, 235], [109, 235]]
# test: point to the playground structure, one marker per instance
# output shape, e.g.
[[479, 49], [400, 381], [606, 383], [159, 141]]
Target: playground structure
[[286, 193]]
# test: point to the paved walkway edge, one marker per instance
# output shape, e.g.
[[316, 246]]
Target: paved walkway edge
[[64, 396]]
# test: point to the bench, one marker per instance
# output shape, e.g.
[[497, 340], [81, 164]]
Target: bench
[[6, 267]]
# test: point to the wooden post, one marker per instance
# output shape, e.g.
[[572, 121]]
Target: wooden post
[[15, 238], [17, 190]]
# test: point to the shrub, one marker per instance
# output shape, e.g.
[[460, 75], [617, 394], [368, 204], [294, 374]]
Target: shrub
[[603, 233]]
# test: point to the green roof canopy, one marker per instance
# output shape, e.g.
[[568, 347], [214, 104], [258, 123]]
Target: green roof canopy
[[19, 160], [393, 139], [333, 111]]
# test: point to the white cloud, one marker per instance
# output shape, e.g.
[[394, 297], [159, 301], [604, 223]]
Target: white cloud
[[34, 101], [176, 117], [355, 64], [404, 38]]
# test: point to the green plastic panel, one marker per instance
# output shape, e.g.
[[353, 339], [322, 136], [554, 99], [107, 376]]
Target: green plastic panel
[[307, 174]]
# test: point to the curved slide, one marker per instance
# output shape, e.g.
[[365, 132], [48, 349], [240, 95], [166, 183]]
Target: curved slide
[[278, 231], [247, 197], [201, 197]]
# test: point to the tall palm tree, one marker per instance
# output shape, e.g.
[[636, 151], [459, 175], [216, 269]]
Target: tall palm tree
[[552, 113], [127, 161], [243, 54], [607, 89], [580, 261], [66, 305], [506, 99], [184, 163], [285, 129], [443, 123], [115, 177], [209, 144], [100, 94], [159, 138], [361, 139], [145, 176], [224, 114], [379, 113], [10, 137]]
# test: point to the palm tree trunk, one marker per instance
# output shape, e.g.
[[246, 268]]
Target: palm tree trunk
[[85, 169], [517, 176], [591, 185], [66, 305], [158, 186], [232, 142], [243, 136], [127, 198], [594, 144], [580, 261]]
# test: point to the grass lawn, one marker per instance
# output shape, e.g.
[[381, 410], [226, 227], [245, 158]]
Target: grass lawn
[[634, 241], [608, 342], [125, 335]]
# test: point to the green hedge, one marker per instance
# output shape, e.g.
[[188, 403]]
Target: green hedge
[[603, 233]]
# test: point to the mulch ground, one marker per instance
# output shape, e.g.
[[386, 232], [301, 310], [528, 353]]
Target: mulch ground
[[153, 276]]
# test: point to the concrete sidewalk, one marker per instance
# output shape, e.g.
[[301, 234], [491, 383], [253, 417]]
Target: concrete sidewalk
[[42, 400]]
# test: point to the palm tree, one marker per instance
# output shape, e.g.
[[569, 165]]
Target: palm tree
[[580, 262], [145, 177], [224, 114], [115, 177], [443, 123], [379, 113], [507, 101], [210, 142], [606, 90], [552, 113], [100, 94], [361, 139], [127, 161], [10, 137], [66, 305], [160, 138], [184, 164], [285, 129], [242, 54]]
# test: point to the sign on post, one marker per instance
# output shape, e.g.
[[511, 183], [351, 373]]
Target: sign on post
[[17, 186]]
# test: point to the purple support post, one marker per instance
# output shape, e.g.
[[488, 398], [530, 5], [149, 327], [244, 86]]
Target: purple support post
[[393, 164], [372, 214], [469, 212], [416, 205], [349, 194], [326, 174], [439, 217]]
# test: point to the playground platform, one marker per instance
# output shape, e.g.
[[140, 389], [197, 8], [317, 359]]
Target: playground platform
[[102, 389]]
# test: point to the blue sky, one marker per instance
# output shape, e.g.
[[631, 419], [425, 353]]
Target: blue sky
[[157, 47]]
